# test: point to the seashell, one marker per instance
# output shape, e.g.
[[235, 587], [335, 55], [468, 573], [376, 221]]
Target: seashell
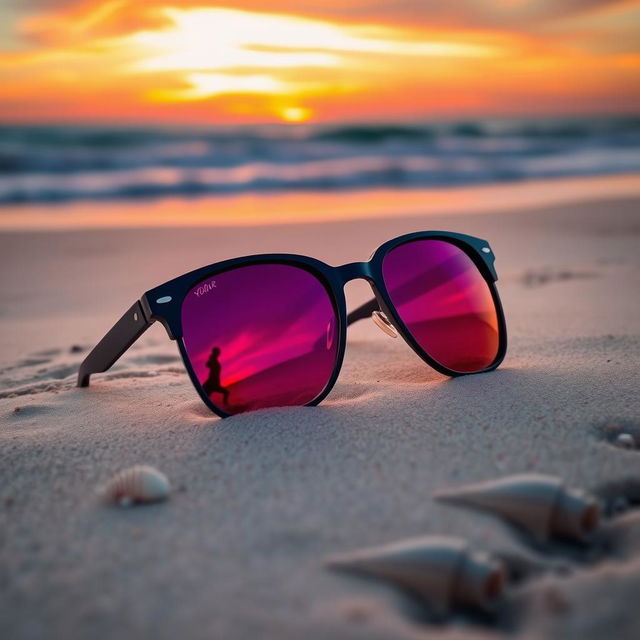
[[539, 504], [625, 441], [137, 485], [441, 571]]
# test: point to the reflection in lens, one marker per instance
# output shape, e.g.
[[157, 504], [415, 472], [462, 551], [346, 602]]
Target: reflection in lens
[[260, 335], [445, 303]]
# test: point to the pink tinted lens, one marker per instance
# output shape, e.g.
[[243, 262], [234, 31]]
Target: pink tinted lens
[[445, 302], [262, 335]]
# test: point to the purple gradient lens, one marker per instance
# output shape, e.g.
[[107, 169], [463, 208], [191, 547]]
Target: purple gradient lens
[[445, 303], [261, 335]]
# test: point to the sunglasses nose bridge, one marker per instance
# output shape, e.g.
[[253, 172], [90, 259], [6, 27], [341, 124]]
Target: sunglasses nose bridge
[[355, 271]]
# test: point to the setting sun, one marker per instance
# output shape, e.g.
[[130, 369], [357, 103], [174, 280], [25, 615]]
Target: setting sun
[[295, 114]]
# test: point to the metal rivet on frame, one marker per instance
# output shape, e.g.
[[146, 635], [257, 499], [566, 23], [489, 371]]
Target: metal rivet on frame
[[486, 250]]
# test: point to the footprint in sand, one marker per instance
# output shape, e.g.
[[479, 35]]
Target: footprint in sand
[[54, 364], [27, 418], [29, 411], [58, 372], [48, 353], [541, 277], [33, 361], [57, 369]]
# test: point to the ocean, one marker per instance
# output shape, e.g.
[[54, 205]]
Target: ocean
[[47, 164]]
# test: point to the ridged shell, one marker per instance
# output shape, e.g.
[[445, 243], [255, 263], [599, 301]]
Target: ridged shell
[[443, 572], [540, 505], [137, 485]]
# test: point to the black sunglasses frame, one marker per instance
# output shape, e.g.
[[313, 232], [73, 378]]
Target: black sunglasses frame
[[164, 304]]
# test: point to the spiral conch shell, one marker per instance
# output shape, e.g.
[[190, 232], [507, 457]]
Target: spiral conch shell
[[441, 571], [541, 505], [137, 485]]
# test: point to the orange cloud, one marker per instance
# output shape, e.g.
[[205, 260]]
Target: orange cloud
[[114, 60]]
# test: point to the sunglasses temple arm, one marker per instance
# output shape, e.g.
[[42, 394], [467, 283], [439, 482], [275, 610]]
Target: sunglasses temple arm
[[119, 338], [363, 311]]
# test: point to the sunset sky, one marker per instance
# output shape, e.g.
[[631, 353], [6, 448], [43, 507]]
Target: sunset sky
[[315, 60]]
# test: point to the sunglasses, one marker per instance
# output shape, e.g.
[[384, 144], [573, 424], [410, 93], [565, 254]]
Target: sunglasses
[[270, 330]]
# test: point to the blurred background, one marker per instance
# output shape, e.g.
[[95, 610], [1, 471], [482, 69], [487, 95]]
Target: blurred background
[[121, 101]]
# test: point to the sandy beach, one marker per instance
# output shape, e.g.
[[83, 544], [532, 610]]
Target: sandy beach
[[260, 499]]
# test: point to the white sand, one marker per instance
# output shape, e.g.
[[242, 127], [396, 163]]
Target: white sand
[[261, 498]]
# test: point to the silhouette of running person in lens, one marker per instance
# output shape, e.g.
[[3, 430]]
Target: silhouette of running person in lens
[[212, 384]]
